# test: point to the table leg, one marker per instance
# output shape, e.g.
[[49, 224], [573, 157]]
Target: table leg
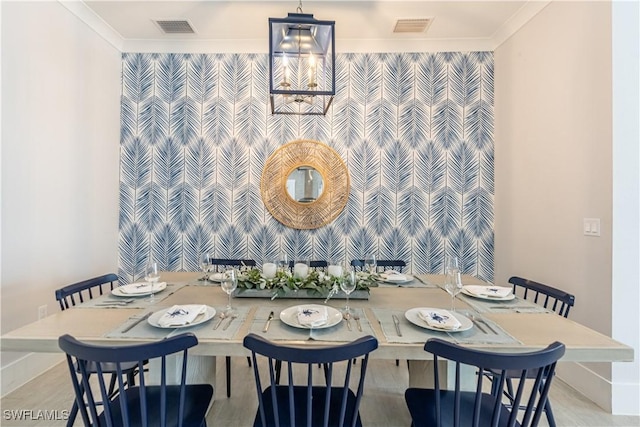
[[200, 370], [421, 375]]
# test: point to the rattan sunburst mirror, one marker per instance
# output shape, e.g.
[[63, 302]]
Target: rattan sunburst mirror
[[298, 164]]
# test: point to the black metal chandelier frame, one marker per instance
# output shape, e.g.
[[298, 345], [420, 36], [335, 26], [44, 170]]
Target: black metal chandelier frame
[[284, 97]]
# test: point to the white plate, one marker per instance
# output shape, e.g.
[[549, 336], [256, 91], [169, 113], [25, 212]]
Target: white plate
[[159, 287], [290, 316], [204, 317], [397, 282], [413, 317], [487, 297], [216, 277]]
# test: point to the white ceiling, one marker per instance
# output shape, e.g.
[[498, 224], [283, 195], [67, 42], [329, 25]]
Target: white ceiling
[[361, 25]]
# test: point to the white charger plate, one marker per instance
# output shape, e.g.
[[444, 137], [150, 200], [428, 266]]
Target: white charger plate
[[488, 297], [158, 287], [407, 279], [413, 317], [290, 316], [201, 318]]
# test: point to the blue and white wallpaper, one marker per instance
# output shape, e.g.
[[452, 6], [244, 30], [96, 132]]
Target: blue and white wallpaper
[[415, 130]]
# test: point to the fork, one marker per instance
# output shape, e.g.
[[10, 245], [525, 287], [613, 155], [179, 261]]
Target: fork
[[356, 317], [220, 319]]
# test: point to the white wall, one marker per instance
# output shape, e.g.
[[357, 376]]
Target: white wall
[[60, 146], [626, 201], [554, 140]]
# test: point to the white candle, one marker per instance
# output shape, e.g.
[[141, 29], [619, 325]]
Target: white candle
[[269, 270], [300, 270], [335, 270], [312, 71]]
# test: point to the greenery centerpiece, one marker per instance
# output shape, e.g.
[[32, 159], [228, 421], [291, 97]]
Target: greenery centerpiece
[[317, 284]]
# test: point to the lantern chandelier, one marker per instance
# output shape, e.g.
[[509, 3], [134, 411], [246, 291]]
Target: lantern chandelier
[[302, 73]]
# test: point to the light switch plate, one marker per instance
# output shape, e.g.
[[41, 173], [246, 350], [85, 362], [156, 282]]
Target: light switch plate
[[591, 226]]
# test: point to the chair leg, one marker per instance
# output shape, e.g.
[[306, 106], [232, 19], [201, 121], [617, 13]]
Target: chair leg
[[397, 362], [112, 384], [509, 394], [228, 365], [510, 389], [494, 387], [131, 378], [227, 362], [73, 413], [550, 419]]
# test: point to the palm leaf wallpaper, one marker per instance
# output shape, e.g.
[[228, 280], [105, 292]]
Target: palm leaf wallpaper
[[415, 130]]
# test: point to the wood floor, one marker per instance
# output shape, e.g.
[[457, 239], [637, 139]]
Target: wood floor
[[382, 405]]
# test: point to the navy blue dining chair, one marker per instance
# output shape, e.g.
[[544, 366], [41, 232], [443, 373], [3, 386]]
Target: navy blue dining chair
[[85, 290], [390, 264], [437, 407], [381, 265], [77, 293], [551, 298], [316, 265], [221, 264], [544, 295], [328, 401], [151, 403]]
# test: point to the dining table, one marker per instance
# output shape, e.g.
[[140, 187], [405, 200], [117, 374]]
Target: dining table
[[389, 314]]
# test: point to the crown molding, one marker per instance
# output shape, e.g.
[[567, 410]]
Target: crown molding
[[517, 21], [93, 21], [186, 45], [344, 46]]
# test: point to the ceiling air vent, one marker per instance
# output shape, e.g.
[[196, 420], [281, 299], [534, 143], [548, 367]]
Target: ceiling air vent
[[412, 25], [175, 26]]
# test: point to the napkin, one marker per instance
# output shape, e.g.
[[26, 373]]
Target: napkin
[[488, 291], [393, 276], [179, 315], [440, 319], [140, 288], [312, 316]]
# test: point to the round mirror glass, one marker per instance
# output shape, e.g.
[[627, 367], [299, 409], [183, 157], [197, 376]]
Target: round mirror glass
[[305, 184]]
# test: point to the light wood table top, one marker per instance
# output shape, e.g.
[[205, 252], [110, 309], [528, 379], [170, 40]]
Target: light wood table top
[[532, 330]]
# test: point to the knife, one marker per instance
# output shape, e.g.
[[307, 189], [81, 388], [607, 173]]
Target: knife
[[357, 318], [475, 322], [112, 303], [397, 323], [131, 326], [511, 307], [266, 326], [233, 316], [485, 323]]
